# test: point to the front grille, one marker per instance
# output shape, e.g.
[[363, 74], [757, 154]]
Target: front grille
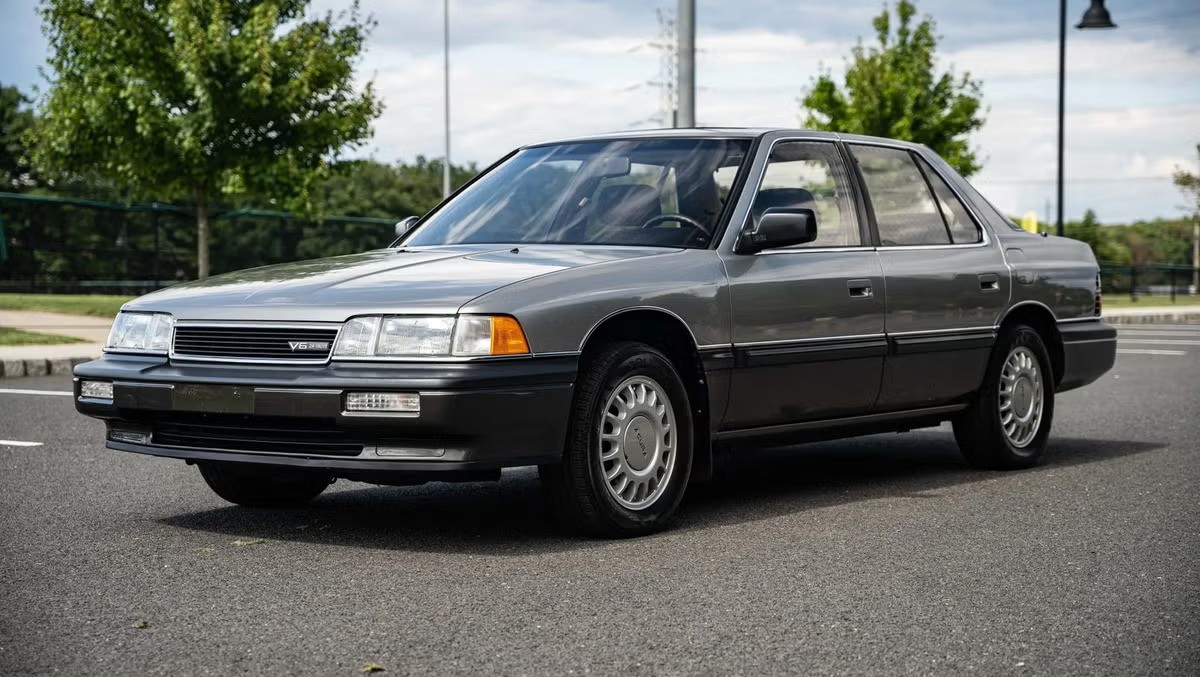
[[260, 434], [301, 343]]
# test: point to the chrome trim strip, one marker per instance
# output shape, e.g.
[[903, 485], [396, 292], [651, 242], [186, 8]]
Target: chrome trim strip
[[1099, 340], [1080, 319], [934, 332], [251, 324], [813, 250], [300, 391], [142, 384], [818, 339]]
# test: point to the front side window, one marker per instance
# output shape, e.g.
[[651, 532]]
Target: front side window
[[811, 175], [649, 192], [905, 209]]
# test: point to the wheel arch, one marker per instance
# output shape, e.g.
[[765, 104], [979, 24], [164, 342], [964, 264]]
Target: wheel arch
[[1042, 320], [668, 333]]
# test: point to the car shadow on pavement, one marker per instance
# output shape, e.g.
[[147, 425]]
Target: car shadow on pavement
[[765, 483], [508, 518]]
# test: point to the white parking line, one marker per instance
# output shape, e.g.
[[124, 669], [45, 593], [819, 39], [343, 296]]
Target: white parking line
[[1137, 332], [1159, 342], [1150, 351], [18, 443], [19, 391]]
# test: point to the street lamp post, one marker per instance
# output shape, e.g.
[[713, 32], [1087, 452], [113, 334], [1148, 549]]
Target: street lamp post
[[1095, 17], [446, 94], [685, 45]]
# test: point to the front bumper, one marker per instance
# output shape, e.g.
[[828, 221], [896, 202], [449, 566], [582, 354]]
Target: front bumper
[[474, 416]]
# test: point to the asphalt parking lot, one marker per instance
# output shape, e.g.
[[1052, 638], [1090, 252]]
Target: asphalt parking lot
[[884, 555]]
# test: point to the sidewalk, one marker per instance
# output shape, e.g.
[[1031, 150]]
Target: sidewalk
[[52, 359], [1152, 315]]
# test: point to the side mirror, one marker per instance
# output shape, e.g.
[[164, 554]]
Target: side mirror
[[781, 228], [405, 225]]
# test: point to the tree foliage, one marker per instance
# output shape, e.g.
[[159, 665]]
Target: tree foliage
[[16, 117], [1189, 183], [202, 99], [892, 89]]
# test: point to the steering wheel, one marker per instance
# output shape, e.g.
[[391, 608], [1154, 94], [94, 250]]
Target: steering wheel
[[663, 218]]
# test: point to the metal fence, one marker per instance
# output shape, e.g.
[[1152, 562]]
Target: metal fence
[[1148, 280], [66, 245]]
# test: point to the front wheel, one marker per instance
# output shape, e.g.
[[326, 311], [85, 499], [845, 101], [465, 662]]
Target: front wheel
[[1009, 419], [629, 445], [263, 487]]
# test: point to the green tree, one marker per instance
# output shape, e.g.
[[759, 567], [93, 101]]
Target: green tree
[[202, 99], [370, 188], [892, 89], [1087, 230], [15, 119]]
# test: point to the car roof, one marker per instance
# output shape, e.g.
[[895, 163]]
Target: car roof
[[724, 133]]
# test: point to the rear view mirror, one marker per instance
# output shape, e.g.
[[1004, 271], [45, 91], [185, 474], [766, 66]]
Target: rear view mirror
[[405, 225], [782, 228], [613, 165]]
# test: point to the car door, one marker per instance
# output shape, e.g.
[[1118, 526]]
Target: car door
[[946, 280], [808, 320]]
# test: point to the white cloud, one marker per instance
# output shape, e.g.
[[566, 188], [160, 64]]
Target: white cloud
[[530, 70]]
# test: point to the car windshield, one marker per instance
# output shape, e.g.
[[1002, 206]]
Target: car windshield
[[649, 192]]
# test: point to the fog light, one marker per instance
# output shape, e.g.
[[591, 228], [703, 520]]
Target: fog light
[[409, 452], [383, 403], [131, 436], [101, 390]]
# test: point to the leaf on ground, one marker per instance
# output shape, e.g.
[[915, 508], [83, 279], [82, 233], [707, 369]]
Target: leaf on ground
[[140, 625], [206, 549], [371, 667], [249, 541]]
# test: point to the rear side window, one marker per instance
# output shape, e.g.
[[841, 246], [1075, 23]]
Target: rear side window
[[963, 229], [905, 209]]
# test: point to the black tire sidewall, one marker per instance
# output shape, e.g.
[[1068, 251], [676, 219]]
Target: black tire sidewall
[[1018, 336], [640, 360]]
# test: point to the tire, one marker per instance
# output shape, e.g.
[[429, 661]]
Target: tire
[[651, 450], [1015, 437], [263, 487]]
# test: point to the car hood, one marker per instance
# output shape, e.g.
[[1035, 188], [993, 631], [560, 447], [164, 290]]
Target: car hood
[[436, 280]]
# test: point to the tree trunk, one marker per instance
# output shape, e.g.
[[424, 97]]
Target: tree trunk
[[201, 233]]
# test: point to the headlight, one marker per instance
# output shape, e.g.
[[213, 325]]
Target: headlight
[[141, 332], [393, 336]]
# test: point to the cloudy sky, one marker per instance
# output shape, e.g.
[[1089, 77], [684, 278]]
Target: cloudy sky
[[529, 70]]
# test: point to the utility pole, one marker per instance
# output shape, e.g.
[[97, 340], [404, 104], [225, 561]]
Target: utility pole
[[685, 21], [446, 94], [1062, 95]]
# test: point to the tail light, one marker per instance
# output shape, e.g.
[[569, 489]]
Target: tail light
[[1099, 297]]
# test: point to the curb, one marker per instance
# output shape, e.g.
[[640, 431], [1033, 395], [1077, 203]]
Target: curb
[[40, 366], [1158, 318]]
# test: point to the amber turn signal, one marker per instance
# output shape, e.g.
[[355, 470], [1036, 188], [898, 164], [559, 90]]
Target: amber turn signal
[[507, 337]]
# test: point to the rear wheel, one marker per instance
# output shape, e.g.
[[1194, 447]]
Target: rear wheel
[[629, 445], [1009, 420], [265, 486]]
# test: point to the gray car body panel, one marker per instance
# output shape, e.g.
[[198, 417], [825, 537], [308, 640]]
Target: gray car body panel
[[772, 311]]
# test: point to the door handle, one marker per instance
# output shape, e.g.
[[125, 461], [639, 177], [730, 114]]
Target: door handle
[[989, 282], [859, 289]]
